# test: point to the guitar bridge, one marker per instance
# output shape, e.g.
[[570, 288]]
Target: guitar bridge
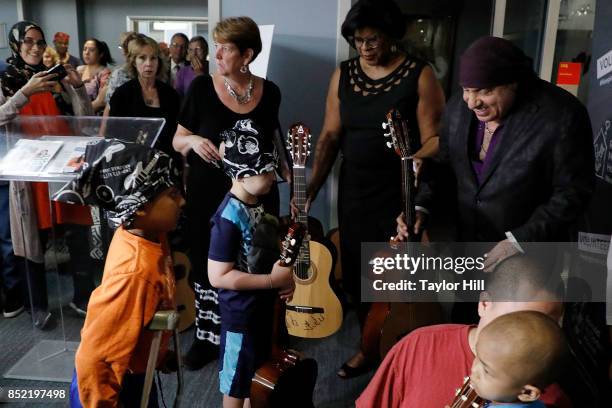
[[305, 309]]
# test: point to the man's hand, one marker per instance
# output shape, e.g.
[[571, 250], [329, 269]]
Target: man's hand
[[73, 78], [504, 249], [402, 227], [40, 82]]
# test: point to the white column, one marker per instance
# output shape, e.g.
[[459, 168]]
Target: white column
[[214, 16], [499, 18], [550, 39]]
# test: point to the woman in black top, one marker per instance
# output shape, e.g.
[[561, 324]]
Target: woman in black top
[[213, 104], [361, 92], [145, 95]]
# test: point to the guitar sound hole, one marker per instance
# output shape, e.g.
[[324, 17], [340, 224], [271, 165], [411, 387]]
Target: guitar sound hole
[[179, 272], [305, 272]]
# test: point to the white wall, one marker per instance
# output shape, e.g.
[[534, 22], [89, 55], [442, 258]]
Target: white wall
[[8, 16], [54, 16]]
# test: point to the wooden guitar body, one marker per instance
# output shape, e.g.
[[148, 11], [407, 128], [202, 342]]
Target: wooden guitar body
[[387, 322], [314, 311], [185, 297], [286, 379]]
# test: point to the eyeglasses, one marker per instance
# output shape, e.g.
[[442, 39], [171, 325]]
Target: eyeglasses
[[370, 43], [30, 42]]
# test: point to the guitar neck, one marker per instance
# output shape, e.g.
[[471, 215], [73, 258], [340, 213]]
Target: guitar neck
[[299, 194], [408, 191]]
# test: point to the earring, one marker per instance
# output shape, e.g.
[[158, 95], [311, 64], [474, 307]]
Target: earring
[[244, 69], [394, 48]]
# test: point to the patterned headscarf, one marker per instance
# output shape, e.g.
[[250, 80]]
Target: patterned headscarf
[[18, 72], [121, 178], [248, 152]]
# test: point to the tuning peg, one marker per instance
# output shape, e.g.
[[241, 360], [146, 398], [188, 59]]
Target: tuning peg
[[387, 134], [385, 125], [292, 241], [390, 145]]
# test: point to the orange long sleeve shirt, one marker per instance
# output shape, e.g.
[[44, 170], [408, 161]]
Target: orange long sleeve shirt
[[138, 281]]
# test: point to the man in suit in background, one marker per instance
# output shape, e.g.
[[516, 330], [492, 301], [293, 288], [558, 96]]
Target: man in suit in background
[[178, 54]]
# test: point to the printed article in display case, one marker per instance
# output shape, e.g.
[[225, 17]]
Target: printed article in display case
[[51, 150]]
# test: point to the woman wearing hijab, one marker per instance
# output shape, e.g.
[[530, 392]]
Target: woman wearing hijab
[[27, 42]]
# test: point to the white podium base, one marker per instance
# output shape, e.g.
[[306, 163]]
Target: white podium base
[[49, 360]]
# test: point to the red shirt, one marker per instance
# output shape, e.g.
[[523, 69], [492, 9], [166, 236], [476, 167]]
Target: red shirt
[[426, 367]]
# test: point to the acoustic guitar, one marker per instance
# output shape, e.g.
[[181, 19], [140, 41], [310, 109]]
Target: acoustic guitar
[[466, 397], [185, 297], [286, 379], [315, 310], [387, 322]]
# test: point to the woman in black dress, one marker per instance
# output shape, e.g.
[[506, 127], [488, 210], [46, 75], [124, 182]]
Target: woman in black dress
[[146, 96], [215, 103], [361, 92]]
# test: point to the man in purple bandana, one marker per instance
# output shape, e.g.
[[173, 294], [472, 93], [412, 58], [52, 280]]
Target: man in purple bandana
[[521, 151]]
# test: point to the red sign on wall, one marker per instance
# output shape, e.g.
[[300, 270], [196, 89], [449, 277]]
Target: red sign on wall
[[569, 73]]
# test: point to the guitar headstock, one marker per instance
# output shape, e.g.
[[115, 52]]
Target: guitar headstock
[[398, 132], [290, 247], [466, 397], [298, 143]]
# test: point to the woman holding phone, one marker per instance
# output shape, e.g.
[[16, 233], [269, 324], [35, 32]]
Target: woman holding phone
[[27, 42]]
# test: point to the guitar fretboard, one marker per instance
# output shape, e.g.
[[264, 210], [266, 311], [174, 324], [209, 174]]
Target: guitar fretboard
[[299, 193]]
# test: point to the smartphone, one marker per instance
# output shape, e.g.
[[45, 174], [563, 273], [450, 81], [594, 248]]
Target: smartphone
[[59, 70]]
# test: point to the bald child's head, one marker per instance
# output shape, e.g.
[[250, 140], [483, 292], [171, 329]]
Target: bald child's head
[[517, 356]]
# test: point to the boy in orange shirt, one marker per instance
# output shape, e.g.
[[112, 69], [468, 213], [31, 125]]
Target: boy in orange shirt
[[139, 187]]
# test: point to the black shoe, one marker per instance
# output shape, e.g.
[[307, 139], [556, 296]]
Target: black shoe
[[13, 303], [200, 353], [346, 371], [41, 319]]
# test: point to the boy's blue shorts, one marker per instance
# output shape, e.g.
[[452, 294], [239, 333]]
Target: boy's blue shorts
[[238, 361]]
